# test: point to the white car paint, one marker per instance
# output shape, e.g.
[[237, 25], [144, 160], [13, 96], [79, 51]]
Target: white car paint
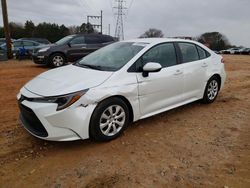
[[171, 87], [66, 80]]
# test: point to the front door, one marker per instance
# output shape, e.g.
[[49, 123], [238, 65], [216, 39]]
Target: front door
[[162, 89], [76, 49]]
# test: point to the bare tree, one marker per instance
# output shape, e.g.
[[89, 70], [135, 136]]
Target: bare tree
[[152, 33], [214, 40]]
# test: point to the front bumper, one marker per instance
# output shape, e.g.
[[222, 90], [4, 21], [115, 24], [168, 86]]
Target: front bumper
[[43, 121], [40, 58]]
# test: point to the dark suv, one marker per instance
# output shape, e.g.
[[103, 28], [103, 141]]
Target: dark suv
[[70, 48]]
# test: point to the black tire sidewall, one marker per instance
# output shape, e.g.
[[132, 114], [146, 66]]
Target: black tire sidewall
[[94, 128], [205, 99]]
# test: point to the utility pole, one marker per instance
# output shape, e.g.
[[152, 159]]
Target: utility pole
[[6, 28], [119, 31], [109, 29], [101, 21], [96, 17]]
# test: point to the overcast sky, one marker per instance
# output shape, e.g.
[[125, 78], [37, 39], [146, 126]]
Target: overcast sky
[[173, 17]]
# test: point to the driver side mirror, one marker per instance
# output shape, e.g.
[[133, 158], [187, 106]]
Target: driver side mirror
[[151, 67], [69, 44]]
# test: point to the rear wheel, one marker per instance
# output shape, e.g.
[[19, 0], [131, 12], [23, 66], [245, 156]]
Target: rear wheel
[[57, 60], [109, 120], [212, 90]]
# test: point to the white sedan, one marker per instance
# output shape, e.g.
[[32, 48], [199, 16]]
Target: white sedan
[[98, 96]]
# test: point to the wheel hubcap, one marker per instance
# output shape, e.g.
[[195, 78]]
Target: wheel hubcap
[[212, 89], [112, 120], [58, 61]]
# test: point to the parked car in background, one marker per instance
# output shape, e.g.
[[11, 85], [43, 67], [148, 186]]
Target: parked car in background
[[39, 40], [3, 40], [98, 96], [230, 51], [22, 45], [70, 49], [26, 44], [238, 51], [245, 51]]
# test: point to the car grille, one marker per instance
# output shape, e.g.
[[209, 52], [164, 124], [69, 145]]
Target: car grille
[[30, 120]]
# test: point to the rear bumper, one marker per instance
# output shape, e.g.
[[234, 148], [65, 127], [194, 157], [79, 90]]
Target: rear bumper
[[223, 77]]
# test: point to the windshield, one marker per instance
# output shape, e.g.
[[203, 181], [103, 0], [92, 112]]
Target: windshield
[[64, 40], [112, 57]]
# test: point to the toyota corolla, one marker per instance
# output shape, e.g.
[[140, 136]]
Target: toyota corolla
[[98, 96]]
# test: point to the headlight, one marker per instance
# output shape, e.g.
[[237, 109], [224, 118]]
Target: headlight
[[43, 49], [63, 101]]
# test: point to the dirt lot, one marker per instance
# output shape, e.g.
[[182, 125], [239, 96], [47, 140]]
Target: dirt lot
[[193, 146]]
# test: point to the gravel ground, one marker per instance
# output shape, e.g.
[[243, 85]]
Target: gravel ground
[[195, 145]]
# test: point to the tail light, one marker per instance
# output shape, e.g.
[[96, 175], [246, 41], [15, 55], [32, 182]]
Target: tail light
[[222, 60]]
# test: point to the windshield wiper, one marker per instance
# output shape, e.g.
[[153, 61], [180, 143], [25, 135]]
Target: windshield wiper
[[96, 67]]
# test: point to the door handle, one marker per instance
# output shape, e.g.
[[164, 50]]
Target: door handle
[[204, 65], [84, 47], [178, 72]]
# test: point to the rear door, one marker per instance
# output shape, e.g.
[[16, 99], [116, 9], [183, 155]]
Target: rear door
[[17, 45], [29, 45], [161, 89], [194, 70], [94, 42], [77, 48]]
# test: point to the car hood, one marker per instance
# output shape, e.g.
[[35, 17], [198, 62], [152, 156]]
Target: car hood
[[64, 80], [44, 46]]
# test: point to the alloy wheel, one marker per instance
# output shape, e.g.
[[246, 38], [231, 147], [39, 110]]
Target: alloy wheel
[[58, 61], [212, 91], [112, 120]]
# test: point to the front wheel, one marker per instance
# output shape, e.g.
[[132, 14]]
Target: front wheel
[[211, 91], [57, 60], [109, 120]]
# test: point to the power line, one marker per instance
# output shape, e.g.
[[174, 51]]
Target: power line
[[119, 30], [130, 5], [96, 17]]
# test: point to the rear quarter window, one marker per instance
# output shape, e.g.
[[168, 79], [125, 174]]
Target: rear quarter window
[[202, 53]]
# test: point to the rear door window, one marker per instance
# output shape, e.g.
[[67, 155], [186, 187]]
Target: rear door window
[[77, 41], [189, 52], [27, 43], [93, 40], [106, 39], [18, 44]]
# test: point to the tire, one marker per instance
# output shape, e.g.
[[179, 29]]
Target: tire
[[57, 60], [212, 90], [109, 120]]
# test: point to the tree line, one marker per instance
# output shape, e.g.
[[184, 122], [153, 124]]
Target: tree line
[[54, 32], [51, 31]]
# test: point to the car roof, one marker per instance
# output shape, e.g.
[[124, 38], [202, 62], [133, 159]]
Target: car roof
[[89, 34], [25, 40], [160, 40]]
